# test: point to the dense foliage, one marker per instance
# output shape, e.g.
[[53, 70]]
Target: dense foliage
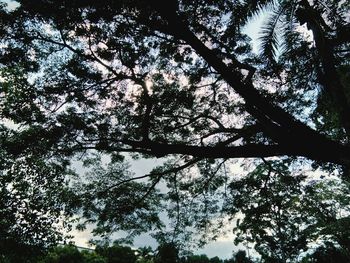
[[104, 81], [125, 254], [285, 213], [33, 197]]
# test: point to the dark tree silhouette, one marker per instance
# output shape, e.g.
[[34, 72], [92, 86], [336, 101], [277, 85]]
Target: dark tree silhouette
[[174, 79], [117, 254], [127, 57]]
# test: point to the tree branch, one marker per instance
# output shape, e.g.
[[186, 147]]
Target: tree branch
[[336, 154], [151, 174], [291, 133], [331, 80]]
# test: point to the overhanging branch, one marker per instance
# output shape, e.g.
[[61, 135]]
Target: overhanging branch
[[296, 137], [338, 154]]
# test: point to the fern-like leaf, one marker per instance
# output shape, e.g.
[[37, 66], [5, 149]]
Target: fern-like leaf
[[269, 34], [256, 8]]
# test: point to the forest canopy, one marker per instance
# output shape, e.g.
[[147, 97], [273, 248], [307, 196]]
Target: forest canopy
[[178, 80]]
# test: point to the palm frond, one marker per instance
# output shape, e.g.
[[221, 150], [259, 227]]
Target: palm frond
[[269, 34], [290, 36], [244, 12], [256, 8]]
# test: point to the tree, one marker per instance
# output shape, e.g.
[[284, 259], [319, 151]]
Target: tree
[[197, 259], [327, 253], [167, 253], [215, 260], [200, 259], [116, 254], [145, 255], [283, 214], [32, 200], [270, 199], [92, 257], [60, 254], [176, 80], [241, 257]]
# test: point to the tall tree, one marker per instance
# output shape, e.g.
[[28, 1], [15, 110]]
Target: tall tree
[[174, 79], [33, 197], [117, 254], [283, 215]]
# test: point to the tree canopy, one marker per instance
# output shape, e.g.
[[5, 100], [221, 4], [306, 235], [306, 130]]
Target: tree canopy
[[176, 80], [119, 254]]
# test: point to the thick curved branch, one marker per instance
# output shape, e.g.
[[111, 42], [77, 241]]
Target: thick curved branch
[[336, 153], [343, 36], [287, 131], [237, 134]]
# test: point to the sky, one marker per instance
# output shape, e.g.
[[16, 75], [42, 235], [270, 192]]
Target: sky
[[10, 3]]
